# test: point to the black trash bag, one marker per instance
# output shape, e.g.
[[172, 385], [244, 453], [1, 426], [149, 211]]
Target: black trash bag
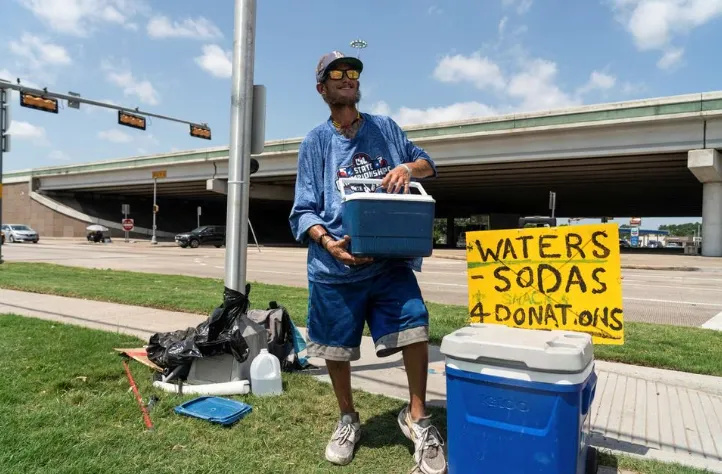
[[221, 333]]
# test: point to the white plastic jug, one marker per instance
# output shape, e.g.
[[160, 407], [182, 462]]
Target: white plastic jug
[[266, 374]]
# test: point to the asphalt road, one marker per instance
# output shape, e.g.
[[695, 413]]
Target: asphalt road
[[660, 296]]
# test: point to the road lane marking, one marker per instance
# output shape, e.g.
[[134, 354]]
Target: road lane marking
[[713, 305], [715, 322], [664, 277], [675, 287]]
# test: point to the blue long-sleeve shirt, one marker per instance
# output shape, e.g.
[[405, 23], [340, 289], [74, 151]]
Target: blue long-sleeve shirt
[[324, 157]]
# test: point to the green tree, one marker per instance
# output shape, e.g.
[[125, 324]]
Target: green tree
[[681, 230]]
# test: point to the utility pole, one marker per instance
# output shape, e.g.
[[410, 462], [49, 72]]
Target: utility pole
[[239, 154], [4, 146], [153, 241]]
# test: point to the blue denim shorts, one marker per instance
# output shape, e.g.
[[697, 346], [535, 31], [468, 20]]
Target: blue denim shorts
[[390, 303]]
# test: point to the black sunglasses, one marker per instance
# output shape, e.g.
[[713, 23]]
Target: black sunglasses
[[337, 74]]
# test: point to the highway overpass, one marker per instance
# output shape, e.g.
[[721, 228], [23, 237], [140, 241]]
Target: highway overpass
[[654, 158]]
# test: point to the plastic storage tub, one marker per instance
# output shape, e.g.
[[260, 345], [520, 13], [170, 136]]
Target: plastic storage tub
[[387, 225], [518, 400], [219, 410]]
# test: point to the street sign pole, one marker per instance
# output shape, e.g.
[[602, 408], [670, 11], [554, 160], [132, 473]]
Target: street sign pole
[[126, 211], [552, 202], [4, 141], [239, 156], [152, 240], [198, 212]]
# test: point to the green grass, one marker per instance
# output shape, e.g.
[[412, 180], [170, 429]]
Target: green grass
[[70, 411], [67, 408], [663, 346], [645, 467]]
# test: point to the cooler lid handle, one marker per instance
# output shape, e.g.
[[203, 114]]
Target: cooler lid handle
[[343, 182]]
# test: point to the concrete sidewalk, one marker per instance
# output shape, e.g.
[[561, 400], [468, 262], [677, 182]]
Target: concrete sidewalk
[[656, 414]]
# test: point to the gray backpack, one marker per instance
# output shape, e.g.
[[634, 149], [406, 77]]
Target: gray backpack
[[277, 322]]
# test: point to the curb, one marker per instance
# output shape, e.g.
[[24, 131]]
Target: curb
[[652, 267], [627, 267]]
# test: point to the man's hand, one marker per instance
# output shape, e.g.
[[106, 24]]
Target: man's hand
[[337, 248], [397, 179]]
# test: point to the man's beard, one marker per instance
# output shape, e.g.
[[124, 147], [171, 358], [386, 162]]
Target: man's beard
[[341, 100]]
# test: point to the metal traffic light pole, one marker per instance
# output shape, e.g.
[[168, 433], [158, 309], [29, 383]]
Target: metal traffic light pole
[[4, 142], [239, 153], [136, 117]]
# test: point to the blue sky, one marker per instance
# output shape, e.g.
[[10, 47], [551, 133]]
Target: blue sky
[[426, 61]]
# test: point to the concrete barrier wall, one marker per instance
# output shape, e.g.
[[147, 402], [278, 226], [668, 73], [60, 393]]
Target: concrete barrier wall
[[20, 208]]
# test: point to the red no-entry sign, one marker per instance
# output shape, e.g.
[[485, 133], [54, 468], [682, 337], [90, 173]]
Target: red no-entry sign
[[128, 224]]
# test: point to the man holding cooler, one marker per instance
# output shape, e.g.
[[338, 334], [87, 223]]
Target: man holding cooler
[[346, 291]]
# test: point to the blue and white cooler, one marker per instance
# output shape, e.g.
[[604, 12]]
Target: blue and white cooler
[[519, 400], [388, 225]]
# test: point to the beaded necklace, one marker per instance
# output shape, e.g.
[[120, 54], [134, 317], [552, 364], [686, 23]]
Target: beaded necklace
[[339, 126]]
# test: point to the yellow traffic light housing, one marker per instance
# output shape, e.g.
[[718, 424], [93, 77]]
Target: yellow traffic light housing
[[130, 120], [37, 102], [155, 208], [200, 131]]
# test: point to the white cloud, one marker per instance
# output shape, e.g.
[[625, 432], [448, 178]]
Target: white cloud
[[115, 136], [151, 139], [57, 155], [535, 86], [502, 25], [655, 23], [81, 17], [521, 6], [201, 28], [36, 52], [411, 116], [434, 10], [478, 70], [27, 131], [530, 85], [671, 58], [602, 80], [123, 78], [598, 81], [631, 89], [215, 61]]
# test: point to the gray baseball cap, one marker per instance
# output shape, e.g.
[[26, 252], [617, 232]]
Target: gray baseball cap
[[333, 58]]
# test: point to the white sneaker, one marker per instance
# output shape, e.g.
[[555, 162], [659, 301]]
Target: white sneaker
[[428, 445], [340, 448]]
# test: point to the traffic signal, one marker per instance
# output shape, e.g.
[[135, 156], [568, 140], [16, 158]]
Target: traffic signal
[[37, 102], [130, 120], [200, 131], [155, 208], [254, 165]]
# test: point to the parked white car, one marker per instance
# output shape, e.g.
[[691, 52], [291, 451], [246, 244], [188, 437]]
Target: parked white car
[[19, 233]]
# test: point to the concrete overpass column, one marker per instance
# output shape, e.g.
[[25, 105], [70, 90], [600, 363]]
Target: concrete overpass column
[[706, 165], [450, 237]]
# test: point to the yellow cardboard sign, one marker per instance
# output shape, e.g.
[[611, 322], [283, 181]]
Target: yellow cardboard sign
[[565, 277]]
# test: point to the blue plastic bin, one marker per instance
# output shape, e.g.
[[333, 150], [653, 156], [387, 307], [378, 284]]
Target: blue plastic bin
[[518, 400], [219, 410], [386, 225]]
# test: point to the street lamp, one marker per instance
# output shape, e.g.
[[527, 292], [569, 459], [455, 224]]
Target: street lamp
[[358, 44]]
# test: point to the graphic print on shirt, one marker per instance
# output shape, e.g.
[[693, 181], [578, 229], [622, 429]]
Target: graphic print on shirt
[[363, 166]]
